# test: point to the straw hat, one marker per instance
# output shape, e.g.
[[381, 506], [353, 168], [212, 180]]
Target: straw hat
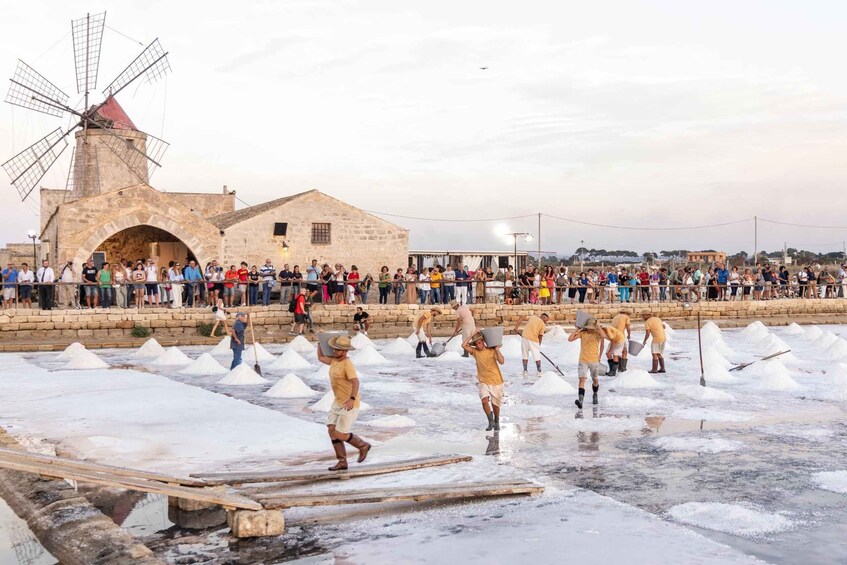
[[476, 337], [341, 342], [437, 311], [454, 304]]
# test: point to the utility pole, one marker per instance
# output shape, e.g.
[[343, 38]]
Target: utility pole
[[755, 240], [784, 252], [581, 253], [539, 241]]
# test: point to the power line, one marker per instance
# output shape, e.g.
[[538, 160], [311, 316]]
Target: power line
[[125, 35], [465, 220], [803, 225], [648, 229]]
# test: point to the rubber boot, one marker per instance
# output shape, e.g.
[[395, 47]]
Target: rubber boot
[[578, 402], [465, 354], [613, 368], [655, 368], [595, 389], [361, 445], [426, 350], [622, 364], [418, 350], [340, 454], [496, 422], [490, 427], [661, 364]]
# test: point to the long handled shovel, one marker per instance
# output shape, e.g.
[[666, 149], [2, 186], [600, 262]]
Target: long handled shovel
[[700, 347], [551, 362], [743, 365], [256, 367]]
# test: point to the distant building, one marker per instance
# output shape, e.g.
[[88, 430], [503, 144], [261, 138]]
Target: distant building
[[707, 257]]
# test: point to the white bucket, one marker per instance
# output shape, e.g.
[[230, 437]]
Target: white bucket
[[582, 319], [492, 336], [635, 347], [323, 342]]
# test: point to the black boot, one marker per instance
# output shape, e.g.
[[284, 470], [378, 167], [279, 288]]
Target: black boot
[[496, 422], [661, 364], [418, 350], [578, 402], [613, 368], [340, 454], [622, 364], [465, 354], [490, 422], [361, 445], [595, 388], [426, 349], [655, 368]]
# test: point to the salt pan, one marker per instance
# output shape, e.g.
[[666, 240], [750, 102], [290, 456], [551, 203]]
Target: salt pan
[[301, 345], [706, 393], [325, 403], [835, 481], [289, 361], [697, 444], [729, 518], [222, 348], [448, 357], [84, 359], [393, 421], [399, 346], [243, 374], [634, 378], [369, 356], [711, 414], [203, 366], [551, 384], [620, 401], [171, 357], [772, 375], [150, 350], [290, 386]]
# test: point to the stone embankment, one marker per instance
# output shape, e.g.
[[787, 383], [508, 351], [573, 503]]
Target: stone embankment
[[30, 330]]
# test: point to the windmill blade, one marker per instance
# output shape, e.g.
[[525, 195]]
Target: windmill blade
[[88, 37], [142, 161], [151, 64], [29, 89], [30, 165]]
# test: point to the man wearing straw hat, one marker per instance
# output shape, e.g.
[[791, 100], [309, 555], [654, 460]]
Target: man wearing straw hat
[[617, 343], [617, 352], [590, 338], [345, 405], [531, 338], [488, 361], [653, 326], [423, 329], [236, 339], [464, 322]]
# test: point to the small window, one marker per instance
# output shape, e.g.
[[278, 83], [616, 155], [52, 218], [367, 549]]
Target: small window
[[281, 229], [321, 233]]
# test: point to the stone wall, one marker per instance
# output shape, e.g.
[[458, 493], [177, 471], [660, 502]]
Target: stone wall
[[272, 322], [205, 205], [357, 238]]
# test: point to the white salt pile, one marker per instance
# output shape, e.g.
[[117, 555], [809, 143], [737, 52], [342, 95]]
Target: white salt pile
[[323, 372], [70, 351], [325, 403], [729, 518], [393, 421], [360, 340], [697, 444], [412, 340], [243, 374], [511, 348], [772, 343], [710, 327], [222, 348], [835, 481], [711, 357], [555, 333], [794, 329], [717, 374], [704, 393], [448, 357], [171, 357], [150, 350], [838, 349], [812, 333], [290, 386], [755, 332], [290, 361], [301, 345], [205, 365], [826, 340], [634, 378], [399, 346], [265, 356], [368, 355], [84, 359], [771, 375], [669, 331], [551, 384]]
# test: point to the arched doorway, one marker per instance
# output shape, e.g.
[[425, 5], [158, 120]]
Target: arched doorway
[[142, 243]]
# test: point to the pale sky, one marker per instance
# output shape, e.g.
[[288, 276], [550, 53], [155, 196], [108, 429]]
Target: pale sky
[[642, 114]]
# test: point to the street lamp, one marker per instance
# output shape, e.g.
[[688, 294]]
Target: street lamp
[[33, 235], [514, 236]]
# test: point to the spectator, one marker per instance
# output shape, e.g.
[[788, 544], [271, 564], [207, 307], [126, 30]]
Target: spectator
[[175, 277], [361, 321], [242, 273], [449, 285], [352, 284], [89, 284], [67, 276], [398, 288], [104, 277], [194, 288], [152, 282], [384, 284], [10, 282], [45, 277], [365, 287], [118, 285], [423, 285], [254, 277], [229, 281], [285, 277], [138, 278], [268, 273], [26, 278]]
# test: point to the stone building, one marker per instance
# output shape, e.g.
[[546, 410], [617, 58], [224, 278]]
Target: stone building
[[119, 215]]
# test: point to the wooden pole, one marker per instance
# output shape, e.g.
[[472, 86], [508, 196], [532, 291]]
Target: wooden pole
[[256, 367], [700, 347]]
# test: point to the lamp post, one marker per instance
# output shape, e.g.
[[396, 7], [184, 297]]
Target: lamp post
[[33, 235], [515, 235]]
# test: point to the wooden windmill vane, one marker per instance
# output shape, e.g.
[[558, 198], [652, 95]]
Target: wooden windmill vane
[[140, 152]]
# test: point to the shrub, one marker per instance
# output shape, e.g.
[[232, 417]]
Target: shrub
[[205, 328], [140, 331]]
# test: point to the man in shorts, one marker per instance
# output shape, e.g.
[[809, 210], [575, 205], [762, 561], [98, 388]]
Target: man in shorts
[[89, 284], [10, 283], [345, 405], [590, 347], [531, 338], [617, 352], [361, 321], [152, 282], [464, 322], [617, 345], [299, 313], [423, 329], [489, 377], [653, 326], [25, 280]]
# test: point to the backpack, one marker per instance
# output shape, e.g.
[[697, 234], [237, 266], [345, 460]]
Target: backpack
[[292, 306]]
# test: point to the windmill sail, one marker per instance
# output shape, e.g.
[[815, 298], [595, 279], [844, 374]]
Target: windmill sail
[[29, 166], [151, 64], [29, 89], [142, 155], [88, 38]]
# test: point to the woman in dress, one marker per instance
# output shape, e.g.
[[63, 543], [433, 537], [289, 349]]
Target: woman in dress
[[411, 285], [138, 278]]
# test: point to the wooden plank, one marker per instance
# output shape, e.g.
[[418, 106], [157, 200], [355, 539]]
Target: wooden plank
[[227, 499], [18, 455], [239, 478], [418, 494]]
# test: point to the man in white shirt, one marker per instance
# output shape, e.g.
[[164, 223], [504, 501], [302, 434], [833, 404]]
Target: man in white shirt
[[67, 276], [423, 285], [25, 280], [152, 282], [45, 277]]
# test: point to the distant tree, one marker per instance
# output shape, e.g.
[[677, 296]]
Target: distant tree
[[649, 256]]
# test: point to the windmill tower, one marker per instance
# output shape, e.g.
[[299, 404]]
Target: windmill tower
[[110, 152]]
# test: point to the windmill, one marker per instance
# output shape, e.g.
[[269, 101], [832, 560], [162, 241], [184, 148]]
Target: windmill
[[102, 125]]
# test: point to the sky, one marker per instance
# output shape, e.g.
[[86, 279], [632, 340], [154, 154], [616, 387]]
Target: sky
[[633, 114]]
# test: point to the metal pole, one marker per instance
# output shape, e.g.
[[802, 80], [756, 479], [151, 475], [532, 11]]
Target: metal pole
[[539, 241], [515, 237], [755, 240], [581, 254], [700, 347]]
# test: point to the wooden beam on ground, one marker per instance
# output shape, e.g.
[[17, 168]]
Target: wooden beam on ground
[[419, 494], [89, 466], [229, 500], [247, 477]]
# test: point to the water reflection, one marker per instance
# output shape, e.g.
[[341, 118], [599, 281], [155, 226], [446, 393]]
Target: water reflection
[[493, 444]]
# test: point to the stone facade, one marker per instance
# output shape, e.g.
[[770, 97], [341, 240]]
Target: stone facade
[[357, 238]]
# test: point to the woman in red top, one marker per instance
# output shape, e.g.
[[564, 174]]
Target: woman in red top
[[230, 278], [352, 284]]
